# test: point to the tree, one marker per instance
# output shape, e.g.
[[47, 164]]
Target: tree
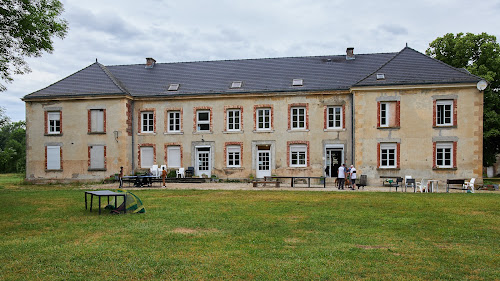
[[480, 55], [26, 30]]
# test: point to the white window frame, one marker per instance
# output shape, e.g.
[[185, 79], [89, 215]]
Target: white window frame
[[298, 112], [94, 149], [385, 114], [236, 115], [298, 155], [333, 118], [264, 125], [174, 121], [149, 127], [53, 151], [441, 107], [96, 120], [233, 156], [143, 156], [444, 149], [54, 122], [170, 162], [202, 122], [385, 152]]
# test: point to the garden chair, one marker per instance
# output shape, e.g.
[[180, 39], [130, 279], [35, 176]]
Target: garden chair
[[154, 171], [396, 184], [469, 185], [180, 173], [406, 181], [410, 183], [422, 185]]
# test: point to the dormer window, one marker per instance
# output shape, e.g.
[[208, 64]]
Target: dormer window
[[173, 87], [298, 82], [236, 84], [380, 76]]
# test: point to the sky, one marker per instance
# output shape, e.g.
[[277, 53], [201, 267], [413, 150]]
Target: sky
[[117, 32]]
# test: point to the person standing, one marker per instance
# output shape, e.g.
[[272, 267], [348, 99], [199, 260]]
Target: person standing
[[120, 177], [163, 176], [341, 176], [353, 177]]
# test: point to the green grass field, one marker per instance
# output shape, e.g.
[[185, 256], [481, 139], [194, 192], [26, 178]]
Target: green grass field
[[46, 234]]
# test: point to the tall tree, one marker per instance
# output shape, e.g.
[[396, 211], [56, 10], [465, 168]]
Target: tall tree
[[26, 30], [480, 55], [12, 145]]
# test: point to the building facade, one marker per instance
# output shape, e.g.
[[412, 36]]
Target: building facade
[[388, 114]]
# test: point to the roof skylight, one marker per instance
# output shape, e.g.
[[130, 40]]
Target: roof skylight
[[173, 87], [236, 84], [298, 82], [380, 76]]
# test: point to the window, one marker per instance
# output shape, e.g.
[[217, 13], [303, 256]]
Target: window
[[147, 122], [263, 118], [384, 114], [444, 155], [233, 156], [173, 87], [97, 120], [388, 114], [388, 155], [298, 155], [233, 119], [203, 120], [298, 118], [174, 156], [174, 121], [54, 122], [53, 157], [444, 113], [147, 156], [97, 157], [297, 82], [334, 117], [236, 84]]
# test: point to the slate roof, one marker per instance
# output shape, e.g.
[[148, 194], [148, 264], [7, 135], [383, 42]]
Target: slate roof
[[258, 75]]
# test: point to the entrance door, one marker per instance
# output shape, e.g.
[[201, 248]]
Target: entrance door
[[263, 163], [333, 161], [203, 163]]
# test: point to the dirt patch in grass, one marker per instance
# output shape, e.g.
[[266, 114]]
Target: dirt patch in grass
[[183, 230], [293, 240], [370, 247]]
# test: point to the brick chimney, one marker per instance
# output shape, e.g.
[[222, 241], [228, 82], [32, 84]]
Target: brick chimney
[[150, 62], [350, 53]]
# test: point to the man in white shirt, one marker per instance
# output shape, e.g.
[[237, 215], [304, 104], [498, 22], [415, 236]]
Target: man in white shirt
[[341, 176], [353, 176]]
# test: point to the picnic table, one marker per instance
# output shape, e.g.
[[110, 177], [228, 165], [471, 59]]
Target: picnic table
[[388, 179], [107, 193], [294, 178], [449, 182], [141, 180]]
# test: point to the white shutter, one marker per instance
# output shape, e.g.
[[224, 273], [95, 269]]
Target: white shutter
[[97, 157], [147, 157], [97, 121], [53, 157], [174, 157]]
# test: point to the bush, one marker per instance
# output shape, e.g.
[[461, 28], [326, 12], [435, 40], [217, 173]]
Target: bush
[[172, 173]]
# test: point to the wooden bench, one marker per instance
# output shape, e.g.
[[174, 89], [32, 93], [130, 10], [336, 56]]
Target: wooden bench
[[276, 183]]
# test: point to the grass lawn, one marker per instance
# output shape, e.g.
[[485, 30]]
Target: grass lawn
[[45, 233]]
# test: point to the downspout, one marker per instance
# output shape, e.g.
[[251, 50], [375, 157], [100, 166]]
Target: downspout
[[353, 149], [132, 113]]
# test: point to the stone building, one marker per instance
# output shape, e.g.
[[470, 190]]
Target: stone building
[[400, 113]]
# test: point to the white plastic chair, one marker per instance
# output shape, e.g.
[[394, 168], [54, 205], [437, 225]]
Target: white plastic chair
[[406, 183], [154, 170], [469, 185], [180, 173], [422, 185]]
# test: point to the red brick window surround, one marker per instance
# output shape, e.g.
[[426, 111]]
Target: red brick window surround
[[444, 155], [298, 116], [202, 119], [96, 121], [444, 113], [144, 152], [263, 116], [53, 158], [174, 120], [147, 120], [298, 154], [388, 155], [97, 157], [53, 122], [388, 114], [233, 118], [334, 117], [166, 151], [234, 154]]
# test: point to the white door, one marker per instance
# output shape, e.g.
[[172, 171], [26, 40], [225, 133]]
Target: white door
[[203, 163], [263, 163]]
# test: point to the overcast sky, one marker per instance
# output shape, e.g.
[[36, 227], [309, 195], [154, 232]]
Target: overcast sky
[[128, 31]]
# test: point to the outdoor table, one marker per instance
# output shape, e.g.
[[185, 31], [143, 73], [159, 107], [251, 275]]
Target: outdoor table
[[293, 179], [107, 193], [454, 181], [431, 183]]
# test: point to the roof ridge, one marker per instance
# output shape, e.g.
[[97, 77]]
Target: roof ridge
[[113, 78]]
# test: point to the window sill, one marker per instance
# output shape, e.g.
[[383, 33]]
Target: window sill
[[388, 128], [202, 132], [49, 171], [95, 170], [444, 169], [146, 134], [232, 132], [298, 130], [173, 133], [233, 168], [96, 133], [445, 127], [334, 130], [53, 135], [388, 169], [263, 131], [298, 168]]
